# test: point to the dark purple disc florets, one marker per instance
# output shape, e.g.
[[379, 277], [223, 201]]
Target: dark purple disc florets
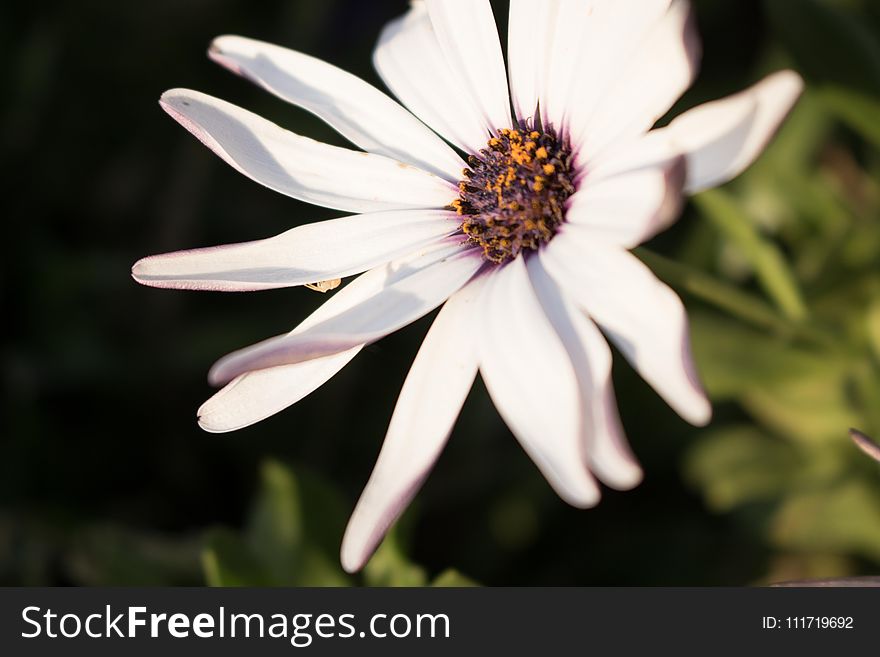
[[513, 195]]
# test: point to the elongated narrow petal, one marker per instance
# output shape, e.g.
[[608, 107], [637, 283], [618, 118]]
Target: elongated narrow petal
[[640, 314], [722, 138], [468, 36], [259, 394], [530, 38], [533, 384], [868, 445], [303, 168], [631, 207], [307, 254], [662, 69], [594, 41], [359, 111], [647, 151], [255, 396], [432, 396], [409, 59], [574, 26], [608, 453], [430, 283]]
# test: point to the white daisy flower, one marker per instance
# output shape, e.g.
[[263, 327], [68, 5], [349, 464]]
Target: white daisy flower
[[524, 240]]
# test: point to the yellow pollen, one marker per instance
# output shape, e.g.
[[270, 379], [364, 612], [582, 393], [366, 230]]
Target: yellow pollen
[[519, 155], [513, 195]]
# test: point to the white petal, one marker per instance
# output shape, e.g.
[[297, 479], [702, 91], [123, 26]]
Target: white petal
[[409, 60], [315, 252], [650, 150], [530, 37], [257, 395], [572, 29], [629, 208], [359, 111], [641, 315], [662, 69], [531, 380], [722, 138], [468, 36], [593, 43], [429, 403], [428, 283], [303, 168], [608, 451]]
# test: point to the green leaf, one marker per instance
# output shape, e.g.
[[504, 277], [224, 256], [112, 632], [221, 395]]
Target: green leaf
[[390, 566], [814, 408], [285, 543], [736, 465], [841, 518], [324, 513], [275, 529], [319, 568], [797, 392], [228, 561], [716, 292], [859, 110], [769, 264], [451, 578], [733, 357]]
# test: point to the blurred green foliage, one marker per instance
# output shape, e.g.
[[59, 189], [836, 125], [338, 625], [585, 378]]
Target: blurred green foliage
[[802, 228], [292, 540], [105, 479]]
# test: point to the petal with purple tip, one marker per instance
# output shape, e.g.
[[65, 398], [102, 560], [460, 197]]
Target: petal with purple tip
[[429, 403], [320, 251], [259, 394], [424, 284], [639, 313], [302, 168], [608, 453], [359, 111], [721, 139]]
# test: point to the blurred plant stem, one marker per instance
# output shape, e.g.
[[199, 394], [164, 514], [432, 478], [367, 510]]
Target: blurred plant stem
[[733, 300], [766, 259]]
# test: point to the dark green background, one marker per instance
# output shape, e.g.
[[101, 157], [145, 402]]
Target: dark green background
[[105, 477]]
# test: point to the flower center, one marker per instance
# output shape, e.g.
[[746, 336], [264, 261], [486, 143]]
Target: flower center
[[513, 195]]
